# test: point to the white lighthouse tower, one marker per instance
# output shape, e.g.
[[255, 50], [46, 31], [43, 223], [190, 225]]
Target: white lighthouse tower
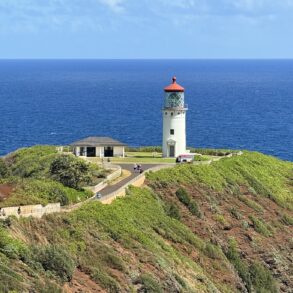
[[174, 121]]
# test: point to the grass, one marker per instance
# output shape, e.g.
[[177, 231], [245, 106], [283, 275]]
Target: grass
[[255, 276], [88, 238], [261, 227], [28, 171], [143, 157], [267, 175], [251, 203]]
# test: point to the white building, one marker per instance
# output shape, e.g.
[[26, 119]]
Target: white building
[[174, 121], [98, 147]]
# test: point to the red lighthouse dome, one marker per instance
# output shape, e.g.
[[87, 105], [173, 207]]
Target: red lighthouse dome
[[174, 86]]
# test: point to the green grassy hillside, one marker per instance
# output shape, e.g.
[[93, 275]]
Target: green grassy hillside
[[28, 174], [226, 227]]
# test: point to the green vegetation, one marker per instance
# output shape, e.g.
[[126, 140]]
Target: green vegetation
[[255, 276], [100, 238], [183, 196], [251, 203], [260, 226], [150, 240], [287, 220], [149, 284], [55, 259], [70, 172], [4, 171], [268, 176], [235, 213], [40, 175], [145, 149], [212, 152]]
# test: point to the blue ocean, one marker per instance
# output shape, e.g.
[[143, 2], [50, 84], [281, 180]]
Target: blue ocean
[[237, 104]]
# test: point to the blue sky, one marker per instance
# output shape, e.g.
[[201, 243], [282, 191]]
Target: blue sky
[[146, 28]]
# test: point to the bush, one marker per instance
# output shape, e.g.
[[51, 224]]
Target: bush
[[58, 195], [183, 196], [235, 214], [262, 279], [212, 251], [4, 170], [105, 281], [287, 220], [173, 211], [31, 162], [149, 284], [251, 203], [70, 171], [194, 209], [260, 226], [57, 260], [255, 276], [11, 247], [241, 267]]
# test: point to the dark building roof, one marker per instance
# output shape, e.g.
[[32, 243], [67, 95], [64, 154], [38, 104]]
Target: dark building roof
[[94, 141]]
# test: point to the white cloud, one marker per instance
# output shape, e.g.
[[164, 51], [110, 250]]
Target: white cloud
[[114, 5]]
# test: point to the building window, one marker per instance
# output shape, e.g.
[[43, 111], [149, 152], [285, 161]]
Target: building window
[[172, 131]]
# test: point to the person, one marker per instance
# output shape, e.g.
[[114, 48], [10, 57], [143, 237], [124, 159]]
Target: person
[[134, 167], [140, 170], [138, 167]]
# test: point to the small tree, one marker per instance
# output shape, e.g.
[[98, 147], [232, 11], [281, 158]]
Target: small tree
[[55, 259], [70, 171]]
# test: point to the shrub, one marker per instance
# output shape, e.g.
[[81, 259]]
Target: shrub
[[221, 219], [287, 220], [149, 284], [55, 259], [105, 281], [4, 170], [183, 196], [58, 195], [251, 203], [70, 171], [260, 226], [11, 247], [240, 266], [255, 276], [194, 209], [212, 251], [235, 214], [31, 162], [262, 279], [173, 211]]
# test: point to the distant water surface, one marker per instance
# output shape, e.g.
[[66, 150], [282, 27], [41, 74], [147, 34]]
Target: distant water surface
[[232, 104]]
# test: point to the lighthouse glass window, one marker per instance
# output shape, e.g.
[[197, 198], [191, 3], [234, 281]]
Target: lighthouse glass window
[[174, 100]]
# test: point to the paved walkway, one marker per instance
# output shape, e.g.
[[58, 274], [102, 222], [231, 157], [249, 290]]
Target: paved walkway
[[111, 188]]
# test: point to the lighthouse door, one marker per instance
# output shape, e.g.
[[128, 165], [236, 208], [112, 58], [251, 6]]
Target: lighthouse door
[[172, 151]]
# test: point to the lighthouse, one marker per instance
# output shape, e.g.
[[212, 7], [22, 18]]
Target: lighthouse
[[174, 121]]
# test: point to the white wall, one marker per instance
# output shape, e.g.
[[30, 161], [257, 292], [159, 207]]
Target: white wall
[[119, 151], [178, 123]]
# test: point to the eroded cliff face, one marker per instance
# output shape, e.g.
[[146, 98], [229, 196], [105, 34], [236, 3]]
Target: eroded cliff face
[[220, 228]]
